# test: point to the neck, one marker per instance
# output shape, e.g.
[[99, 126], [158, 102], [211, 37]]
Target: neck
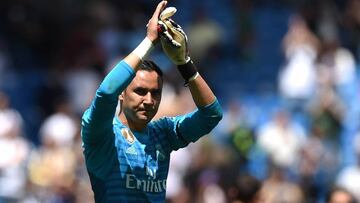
[[136, 126]]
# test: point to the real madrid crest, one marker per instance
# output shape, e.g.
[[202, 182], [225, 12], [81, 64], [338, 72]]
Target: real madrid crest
[[128, 135]]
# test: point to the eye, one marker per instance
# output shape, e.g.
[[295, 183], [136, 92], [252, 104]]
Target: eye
[[156, 93], [140, 91]]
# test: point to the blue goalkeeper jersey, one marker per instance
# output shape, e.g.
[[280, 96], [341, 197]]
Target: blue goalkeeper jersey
[[130, 166]]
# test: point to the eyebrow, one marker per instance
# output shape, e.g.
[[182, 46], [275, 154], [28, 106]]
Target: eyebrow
[[147, 89]]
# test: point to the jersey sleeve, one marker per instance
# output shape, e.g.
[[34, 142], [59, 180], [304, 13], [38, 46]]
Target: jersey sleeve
[[97, 119], [181, 130]]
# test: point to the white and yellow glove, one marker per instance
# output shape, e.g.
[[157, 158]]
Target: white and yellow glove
[[173, 38]]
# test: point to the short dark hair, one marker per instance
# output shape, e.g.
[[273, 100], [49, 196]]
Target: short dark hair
[[247, 187], [151, 66]]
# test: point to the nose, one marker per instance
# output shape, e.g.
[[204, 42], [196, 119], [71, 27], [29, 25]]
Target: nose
[[148, 99]]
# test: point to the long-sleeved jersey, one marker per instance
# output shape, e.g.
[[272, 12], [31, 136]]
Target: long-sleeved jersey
[[130, 166]]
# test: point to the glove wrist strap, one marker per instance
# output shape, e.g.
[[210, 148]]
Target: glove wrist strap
[[144, 48], [187, 71]]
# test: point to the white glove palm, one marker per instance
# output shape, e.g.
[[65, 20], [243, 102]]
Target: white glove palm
[[173, 38]]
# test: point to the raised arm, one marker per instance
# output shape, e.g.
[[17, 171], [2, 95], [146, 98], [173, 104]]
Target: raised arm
[[134, 58], [98, 118], [192, 126], [111, 84], [174, 43], [200, 91]]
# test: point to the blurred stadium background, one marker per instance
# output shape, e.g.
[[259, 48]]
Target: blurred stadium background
[[286, 73]]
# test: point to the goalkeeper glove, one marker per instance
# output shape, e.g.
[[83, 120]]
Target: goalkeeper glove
[[173, 38]]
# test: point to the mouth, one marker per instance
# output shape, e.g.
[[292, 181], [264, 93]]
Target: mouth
[[144, 111]]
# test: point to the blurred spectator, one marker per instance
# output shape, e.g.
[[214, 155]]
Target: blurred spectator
[[209, 190], [14, 150], [282, 139], [246, 190], [326, 114], [81, 83], [276, 188], [176, 191], [349, 177], [297, 78], [337, 69], [60, 127], [320, 160], [318, 165], [204, 178], [10, 119], [204, 34], [340, 62], [53, 167], [339, 195], [213, 193], [235, 133]]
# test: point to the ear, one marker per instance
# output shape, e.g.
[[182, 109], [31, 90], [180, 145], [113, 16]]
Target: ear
[[121, 96]]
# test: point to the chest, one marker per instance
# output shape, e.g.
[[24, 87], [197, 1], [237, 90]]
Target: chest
[[143, 158]]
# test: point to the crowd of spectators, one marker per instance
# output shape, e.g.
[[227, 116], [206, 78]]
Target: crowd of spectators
[[294, 138]]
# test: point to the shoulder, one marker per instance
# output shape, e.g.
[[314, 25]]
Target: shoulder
[[163, 132], [163, 123]]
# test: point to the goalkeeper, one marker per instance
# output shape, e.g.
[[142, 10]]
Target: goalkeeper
[[127, 155]]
